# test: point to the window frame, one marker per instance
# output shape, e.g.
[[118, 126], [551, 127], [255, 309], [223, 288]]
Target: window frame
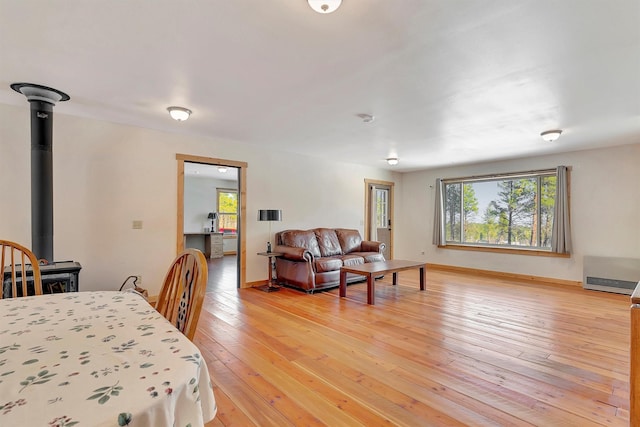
[[222, 214], [487, 247], [382, 208]]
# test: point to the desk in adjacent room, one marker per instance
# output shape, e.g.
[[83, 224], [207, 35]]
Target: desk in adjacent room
[[209, 243]]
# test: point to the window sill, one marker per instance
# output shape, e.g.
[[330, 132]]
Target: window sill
[[523, 251]]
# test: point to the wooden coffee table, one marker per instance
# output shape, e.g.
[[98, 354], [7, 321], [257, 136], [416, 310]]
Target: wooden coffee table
[[373, 269]]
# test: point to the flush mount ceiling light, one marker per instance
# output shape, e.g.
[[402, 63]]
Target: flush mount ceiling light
[[551, 135], [222, 169], [324, 6], [392, 161], [179, 113]]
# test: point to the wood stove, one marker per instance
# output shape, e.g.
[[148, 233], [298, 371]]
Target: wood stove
[[56, 277]]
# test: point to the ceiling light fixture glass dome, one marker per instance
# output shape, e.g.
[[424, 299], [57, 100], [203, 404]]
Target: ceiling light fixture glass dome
[[392, 161], [179, 113], [551, 135], [324, 6]]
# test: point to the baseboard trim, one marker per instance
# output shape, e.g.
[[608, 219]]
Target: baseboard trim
[[256, 284], [477, 271], [504, 275]]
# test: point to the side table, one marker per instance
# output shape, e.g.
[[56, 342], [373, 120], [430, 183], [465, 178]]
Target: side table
[[270, 286]]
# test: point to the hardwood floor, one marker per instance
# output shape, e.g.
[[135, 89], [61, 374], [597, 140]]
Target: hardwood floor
[[223, 273], [467, 351]]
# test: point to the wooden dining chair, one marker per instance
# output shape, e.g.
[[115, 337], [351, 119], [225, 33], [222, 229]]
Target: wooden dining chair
[[182, 294], [16, 260]]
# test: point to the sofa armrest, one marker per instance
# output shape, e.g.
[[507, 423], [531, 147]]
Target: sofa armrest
[[370, 246], [294, 254]]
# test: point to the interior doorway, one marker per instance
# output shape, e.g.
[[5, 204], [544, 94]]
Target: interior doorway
[[211, 219], [379, 213]]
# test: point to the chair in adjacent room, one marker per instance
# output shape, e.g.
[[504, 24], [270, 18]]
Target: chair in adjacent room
[[19, 263], [182, 294]]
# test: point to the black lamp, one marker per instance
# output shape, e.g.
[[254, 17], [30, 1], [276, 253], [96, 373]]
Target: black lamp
[[269, 215], [213, 216]]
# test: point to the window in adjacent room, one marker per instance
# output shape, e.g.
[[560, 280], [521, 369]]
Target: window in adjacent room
[[511, 210], [227, 210]]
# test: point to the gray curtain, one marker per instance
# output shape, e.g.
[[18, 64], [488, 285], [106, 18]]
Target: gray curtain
[[438, 215], [561, 234]]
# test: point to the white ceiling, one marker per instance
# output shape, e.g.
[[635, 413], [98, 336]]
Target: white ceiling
[[448, 81]]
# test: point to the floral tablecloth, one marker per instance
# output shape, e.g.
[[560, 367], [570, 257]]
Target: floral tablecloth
[[98, 359]]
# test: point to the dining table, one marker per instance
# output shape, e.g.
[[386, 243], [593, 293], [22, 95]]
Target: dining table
[[98, 358]]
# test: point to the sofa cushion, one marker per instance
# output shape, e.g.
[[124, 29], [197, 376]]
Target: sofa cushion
[[301, 239], [369, 256], [352, 259], [328, 242], [350, 240], [325, 264]]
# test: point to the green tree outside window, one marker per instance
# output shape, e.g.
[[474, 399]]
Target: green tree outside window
[[228, 211]]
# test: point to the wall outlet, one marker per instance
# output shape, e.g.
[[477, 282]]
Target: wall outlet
[[137, 224], [422, 253], [138, 280]]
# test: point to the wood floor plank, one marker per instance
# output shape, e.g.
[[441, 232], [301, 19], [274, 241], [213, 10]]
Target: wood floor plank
[[468, 350], [320, 399]]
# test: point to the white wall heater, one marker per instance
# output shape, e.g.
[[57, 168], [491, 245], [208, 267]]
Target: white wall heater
[[618, 275]]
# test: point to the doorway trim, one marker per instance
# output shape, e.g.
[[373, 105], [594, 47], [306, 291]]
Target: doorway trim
[[242, 191], [367, 210]]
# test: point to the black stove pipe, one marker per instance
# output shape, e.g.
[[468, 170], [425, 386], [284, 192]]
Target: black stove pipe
[[42, 100], [42, 179]]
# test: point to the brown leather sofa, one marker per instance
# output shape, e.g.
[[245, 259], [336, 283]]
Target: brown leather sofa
[[312, 259]]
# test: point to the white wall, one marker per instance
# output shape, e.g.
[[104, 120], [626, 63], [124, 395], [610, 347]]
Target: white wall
[[107, 175], [199, 199], [605, 212], [200, 193]]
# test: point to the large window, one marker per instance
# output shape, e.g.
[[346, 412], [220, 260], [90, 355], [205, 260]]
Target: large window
[[227, 211], [514, 210]]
